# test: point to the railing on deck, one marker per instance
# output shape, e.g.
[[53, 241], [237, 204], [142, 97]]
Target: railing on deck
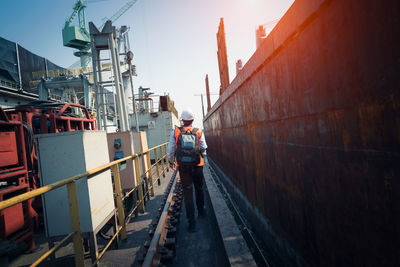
[[9, 84], [160, 153]]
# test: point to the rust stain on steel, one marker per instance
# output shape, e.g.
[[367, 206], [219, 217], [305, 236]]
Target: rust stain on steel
[[309, 132]]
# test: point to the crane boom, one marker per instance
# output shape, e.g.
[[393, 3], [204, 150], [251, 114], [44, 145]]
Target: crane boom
[[78, 7], [71, 18], [120, 12]]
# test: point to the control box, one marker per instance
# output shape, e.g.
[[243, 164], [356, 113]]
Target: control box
[[123, 144]]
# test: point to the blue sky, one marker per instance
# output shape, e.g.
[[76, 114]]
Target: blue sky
[[174, 41]]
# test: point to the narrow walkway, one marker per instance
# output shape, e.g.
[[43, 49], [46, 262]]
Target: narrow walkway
[[204, 247], [137, 231], [217, 241]]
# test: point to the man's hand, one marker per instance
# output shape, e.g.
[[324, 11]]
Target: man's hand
[[172, 165]]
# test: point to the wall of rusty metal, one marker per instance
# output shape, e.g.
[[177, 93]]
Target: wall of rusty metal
[[309, 132]]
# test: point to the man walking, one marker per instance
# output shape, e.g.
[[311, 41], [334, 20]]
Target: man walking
[[187, 147]]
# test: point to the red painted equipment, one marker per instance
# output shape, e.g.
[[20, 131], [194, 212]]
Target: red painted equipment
[[42, 117], [18, 160], [14, 181], [48, 117]]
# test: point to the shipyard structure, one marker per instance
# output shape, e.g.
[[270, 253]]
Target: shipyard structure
[[156, 116], [302, 165], [57, 122]]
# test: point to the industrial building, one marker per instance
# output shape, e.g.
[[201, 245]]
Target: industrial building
[[20, 72], [48, 115], [157, 119]]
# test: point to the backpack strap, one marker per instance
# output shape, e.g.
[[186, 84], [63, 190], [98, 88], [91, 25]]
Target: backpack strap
[[193, 131], [176, 134], [197, 132]]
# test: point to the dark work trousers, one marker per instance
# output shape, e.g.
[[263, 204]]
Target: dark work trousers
[[192, 176]]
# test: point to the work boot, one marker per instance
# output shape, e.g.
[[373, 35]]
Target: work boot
[[192, 226]]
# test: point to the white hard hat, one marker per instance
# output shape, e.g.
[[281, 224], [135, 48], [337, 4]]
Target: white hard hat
[[187, 115]]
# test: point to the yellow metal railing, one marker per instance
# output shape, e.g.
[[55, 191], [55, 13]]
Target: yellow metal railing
[[123, 220]]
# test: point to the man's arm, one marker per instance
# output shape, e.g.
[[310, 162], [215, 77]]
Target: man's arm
[[203, 144], [171, 147]]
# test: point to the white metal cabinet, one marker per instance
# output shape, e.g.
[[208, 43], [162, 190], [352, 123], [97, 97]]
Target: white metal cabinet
[[64, 155]]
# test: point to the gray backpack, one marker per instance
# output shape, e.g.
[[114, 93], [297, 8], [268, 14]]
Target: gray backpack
[[187, 147]]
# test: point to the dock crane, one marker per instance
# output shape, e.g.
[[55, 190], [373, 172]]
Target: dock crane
[[77, 36]]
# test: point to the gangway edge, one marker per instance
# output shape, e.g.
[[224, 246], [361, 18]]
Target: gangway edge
[[237, 251]]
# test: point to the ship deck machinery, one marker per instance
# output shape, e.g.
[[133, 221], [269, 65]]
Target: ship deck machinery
[[16, 223], [18, 160], [70, 89]]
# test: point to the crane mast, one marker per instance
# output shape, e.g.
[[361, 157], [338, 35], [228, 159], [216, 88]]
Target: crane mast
[[78, 36]]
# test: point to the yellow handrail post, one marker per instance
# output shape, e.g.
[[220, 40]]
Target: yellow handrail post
[[145, 176], [162, 160], [118, 196], [166, 153], [139, 183], [150, 173], [75, 224], [157, 169]]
